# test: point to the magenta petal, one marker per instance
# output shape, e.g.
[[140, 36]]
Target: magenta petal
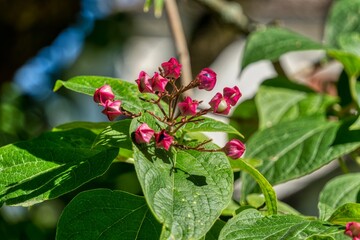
[[234, 149], [232, 95], [207, 79], [188, 107], [143, 133], [103, 94]]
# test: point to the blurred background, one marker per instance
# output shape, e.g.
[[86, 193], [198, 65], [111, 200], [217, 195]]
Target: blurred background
[[42, 41]]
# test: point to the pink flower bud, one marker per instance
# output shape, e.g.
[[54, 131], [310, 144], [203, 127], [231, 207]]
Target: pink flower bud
[[144, 83], [234, 149], [103, 94], [158, 82], [112, 109], [207, 79], [352, 229], [219, 104], [172, 68], [163, 140], [143, 133], [232, 95], [188, 107]]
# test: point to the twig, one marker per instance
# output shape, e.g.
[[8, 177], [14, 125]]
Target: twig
[[180, 40]]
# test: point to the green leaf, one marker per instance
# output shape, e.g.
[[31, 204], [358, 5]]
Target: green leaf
[[272, 42], [342, 20], [116, 135], [245, 118], [210, 125], [293, 149], [266, 188], [349, 212], [106, 214], [251, 225], [50, 165], [340, 190], [276, 105], [95, 127], [214, 232], [124, 91], [350, 43], [185, 190], [350, 61]]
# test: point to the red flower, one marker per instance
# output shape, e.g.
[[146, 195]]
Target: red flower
[[163, 140], [143, 133], [144, 83], [158, 83], [112, 109], [352, 229], [219, 104], [232, 95], [188, 107], [103, 94], [206, 79], [172, 68], [234, 149]]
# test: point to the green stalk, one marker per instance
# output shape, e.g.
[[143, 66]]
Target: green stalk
[[266, 188]]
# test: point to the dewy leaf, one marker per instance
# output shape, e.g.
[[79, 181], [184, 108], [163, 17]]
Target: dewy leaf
[[349, 212], [270, 43], [251, 225], [293, 149], [340, 190], [124, 91], [50, 165], [118, 215], [210, 125], [277, 105], [342, 20], [186, 190]]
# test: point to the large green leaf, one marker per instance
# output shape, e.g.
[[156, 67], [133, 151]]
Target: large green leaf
[[124, 91], [349, 212], [50, 165], [251, 225], [293, 149], [106, 214], [340, 190], [186, 190], [210, 125], [279, 105], [342, 19], [272, 42]]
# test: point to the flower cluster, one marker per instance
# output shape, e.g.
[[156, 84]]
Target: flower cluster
[[179, 112], [352, 229]]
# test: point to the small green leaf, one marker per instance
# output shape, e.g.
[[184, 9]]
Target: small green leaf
[[350, 43], [210, 125], [293, 149], [337, 192], [342, 20], [251, 225], [124, 91], [277, 105], [349, 212], [185, 190], [51, 165], [270, 43], [106, 214]]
